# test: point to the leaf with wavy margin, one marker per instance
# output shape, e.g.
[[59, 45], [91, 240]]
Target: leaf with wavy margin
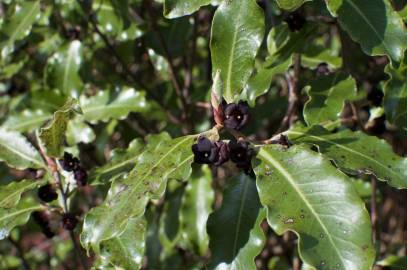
[[10, 194], [128, 196], [374, 24], [304, 193], [18, 215], [17, 152], [354, 152]]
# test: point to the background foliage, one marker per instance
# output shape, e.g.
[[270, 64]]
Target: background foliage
[[129, 85]]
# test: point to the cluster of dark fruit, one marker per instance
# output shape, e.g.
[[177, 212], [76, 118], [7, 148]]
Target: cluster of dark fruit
[[47, 193], [295, 21], [72, 164], [43, 219], [235, 116]]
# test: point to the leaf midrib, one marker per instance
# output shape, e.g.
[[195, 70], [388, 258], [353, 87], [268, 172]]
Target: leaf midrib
[[17, 191], [273, 162], [239, 217], [20, 211], [23, 22], [343, 147], [21, 154]]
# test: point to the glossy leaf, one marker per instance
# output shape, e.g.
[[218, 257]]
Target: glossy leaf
[[10, 194], [108, 105], [19, 25], [53, 136], [112, 15], [79, 132], [304, 193], [126, 251], [356, 152], [327, 96], [394, 262], [15, 216], [178, 8], [395, 95], [290, 4], [237, 33], [63, 69], [374, 24], [128, 196], [253, 247], [121, 162], [229, 227], [195, 209], [27, 120], [17, 152]]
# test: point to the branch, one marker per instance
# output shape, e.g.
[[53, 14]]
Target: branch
[[57, 177], [293, 96], [171, 67]]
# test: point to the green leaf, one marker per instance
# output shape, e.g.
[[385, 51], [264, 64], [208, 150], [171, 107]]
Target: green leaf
[[18, 215], [394, 262], [121, 162], [304, 193], [179, 8], [195, 209], [126, 251], [229, 227], [17, 152], [291, 4], [253, 247], [374, 24], [356, 152], [19, 25], [112, 15], [237, 33], [128, 196], [63, 69], [53, 136], [27, 120], [327, 96], [259, 82], [10, 194], [108, 105], [79, 132], [395, 95]]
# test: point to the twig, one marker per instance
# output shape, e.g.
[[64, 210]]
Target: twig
[[171, 67], [57, 177], [293, 96], [20, 252]]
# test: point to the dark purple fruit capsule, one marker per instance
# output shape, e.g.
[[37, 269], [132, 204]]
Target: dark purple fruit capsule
[[47, 193], [236, 116], [295, 21], [80, 176], [241, 154], [69, 163], [69, 221], [205, 151], [223, 153]]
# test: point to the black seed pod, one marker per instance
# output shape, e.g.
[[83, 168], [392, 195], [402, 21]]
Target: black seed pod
[[236, 116], [69, 163], [205, 151], [295, 21], [80, 176], [223, 153], [47, 193], [375, 96], [241, 154], [69, 221]]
